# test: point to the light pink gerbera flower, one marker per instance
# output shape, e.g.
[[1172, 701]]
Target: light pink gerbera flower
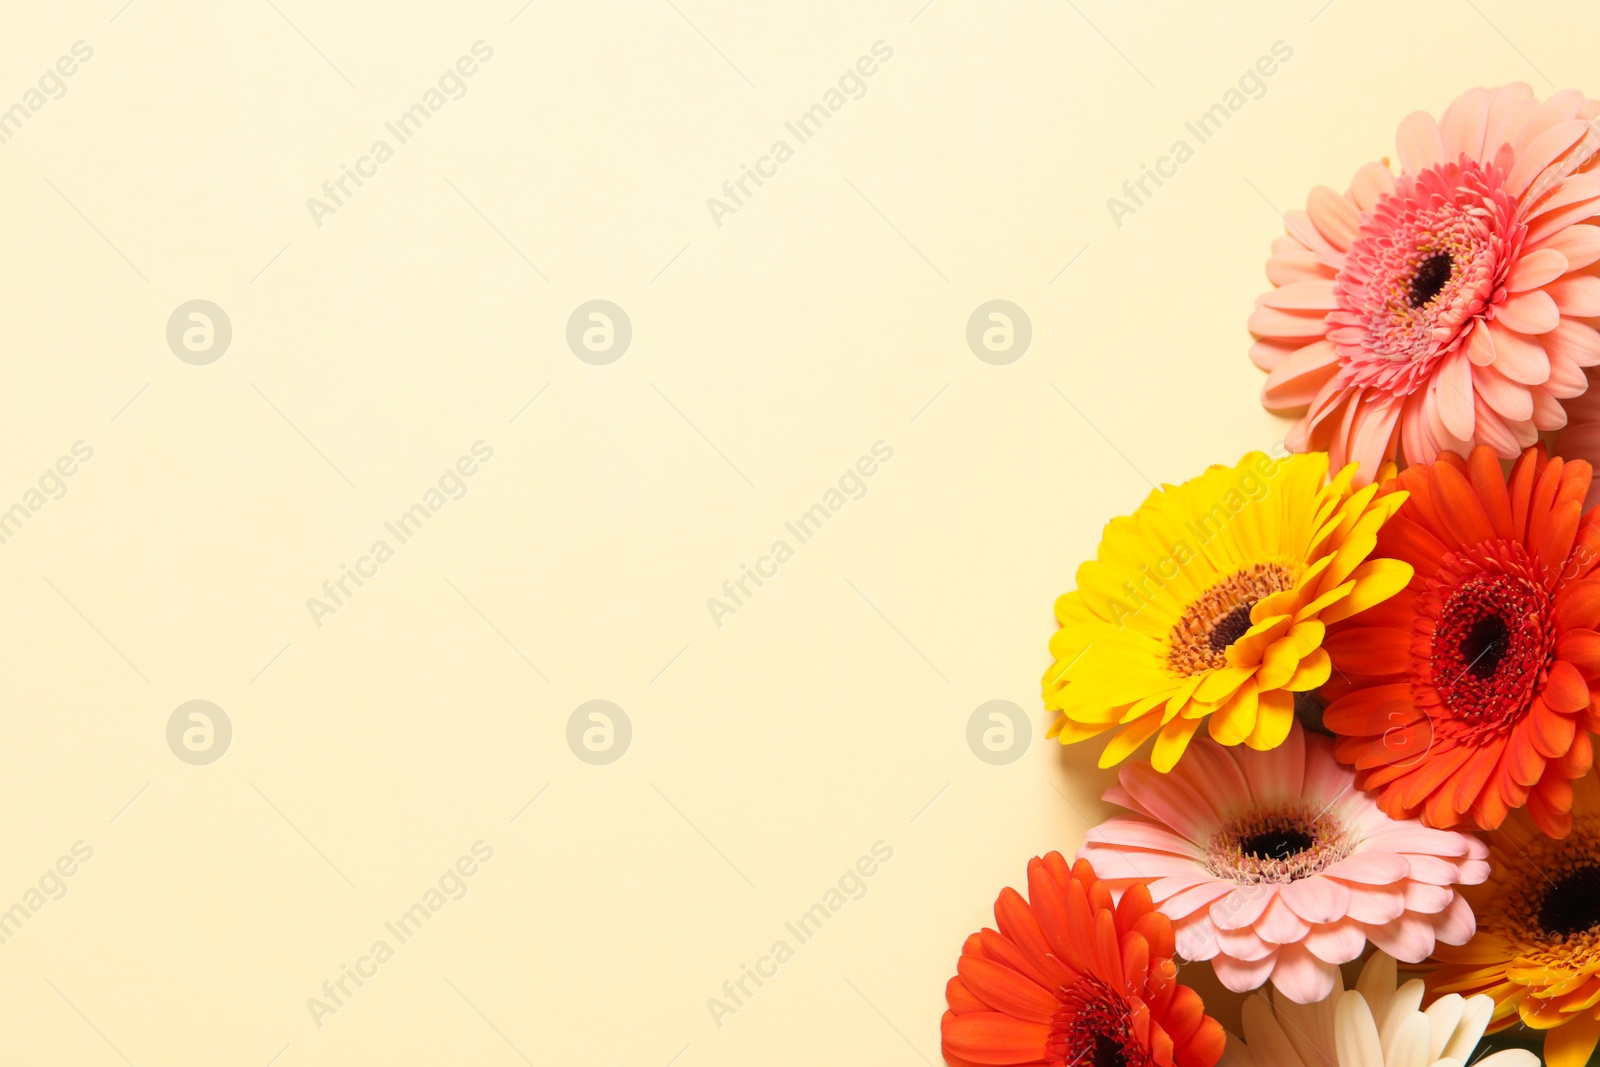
[[1273, 865], [1440, 309]]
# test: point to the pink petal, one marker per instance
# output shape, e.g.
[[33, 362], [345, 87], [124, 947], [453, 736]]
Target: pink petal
[[1506, 397], [1425, 898], [1548, 414], [1307, 296], [1576, 294], [1567, 379], [1376, 904], [1415, 439], [1419, 142], [1279, 925], [1535, 269], [1413, 837], [1326, 779], [1286, 268], [1479, 345], [1371, 183], [1300, 225], [1506, 437], [1518, 356], [1464, 123], [1370, 868], [1530, 312], [1273, 322], [1277, 775], [1169, 800], [1577, 342], [1136, 831], [1317, 899], [1241, 976], [1137, 864], [1244, 944], [1452, 384], [1408, 939], [1300, 976], [1334, 216], [1579, 245], [1196, 939], [1456, 924], [1338, 942], [1240, 909], [1295, 382], [1372, 434], [1210, 768], [1184, 901], [1542, 151], [1266, 355]]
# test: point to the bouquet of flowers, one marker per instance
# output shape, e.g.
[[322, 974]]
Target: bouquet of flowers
[[1367, 668]]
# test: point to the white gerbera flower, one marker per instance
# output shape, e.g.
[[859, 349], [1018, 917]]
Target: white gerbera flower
[[1372, 1025]]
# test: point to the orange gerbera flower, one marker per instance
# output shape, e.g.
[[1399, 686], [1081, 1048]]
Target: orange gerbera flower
[[1469, 693], [1073, 976], [1537, 949]]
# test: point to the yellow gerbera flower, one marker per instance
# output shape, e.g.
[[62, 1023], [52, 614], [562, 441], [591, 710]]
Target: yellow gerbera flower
[[1211, 601], [1537, 949]]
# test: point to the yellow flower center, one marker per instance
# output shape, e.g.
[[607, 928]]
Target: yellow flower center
[[1220, 616]]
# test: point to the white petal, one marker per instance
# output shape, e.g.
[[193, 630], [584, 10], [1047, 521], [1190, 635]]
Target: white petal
[[1355, 1033]]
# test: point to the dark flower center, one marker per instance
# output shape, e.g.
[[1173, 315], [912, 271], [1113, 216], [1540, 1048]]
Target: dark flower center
[[1485, 644], [1432, 273], [1278, 844], [1572, 904], [1093, 1027], [1107, 1052], [1230, 627], [1491, 640]]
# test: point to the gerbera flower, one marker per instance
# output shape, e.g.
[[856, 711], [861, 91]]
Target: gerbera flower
[[1439, 309], [1211, 600], [1468, 694], [1372, 1025], [1272, 865], [1071, 976], [1537, 950]]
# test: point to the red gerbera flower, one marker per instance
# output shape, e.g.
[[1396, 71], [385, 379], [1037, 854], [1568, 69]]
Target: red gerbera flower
[[1073, 976], [1468, 693]]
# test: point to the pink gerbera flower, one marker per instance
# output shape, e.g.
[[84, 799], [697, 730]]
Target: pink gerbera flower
[[1273, 865], [1440, 309]]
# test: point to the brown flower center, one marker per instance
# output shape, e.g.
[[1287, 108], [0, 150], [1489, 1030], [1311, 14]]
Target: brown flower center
[[1093, 1027], [1220, 616], [1491, 640], [1278, 846]]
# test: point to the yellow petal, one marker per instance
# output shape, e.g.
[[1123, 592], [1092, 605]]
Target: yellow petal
[[1221, 683], [1274, 717], [1231, 723], [1171, 742], [1312, 672], [1252, 645], [1376, 581], [1128, 740]]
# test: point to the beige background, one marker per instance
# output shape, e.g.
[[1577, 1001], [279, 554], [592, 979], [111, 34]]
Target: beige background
[[769, 353]]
